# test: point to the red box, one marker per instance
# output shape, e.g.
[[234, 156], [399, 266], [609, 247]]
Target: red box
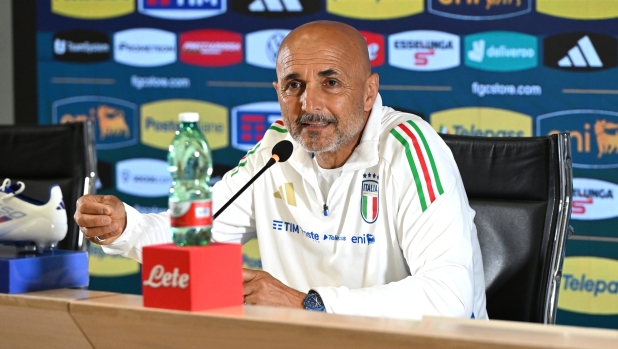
[[192, 278]]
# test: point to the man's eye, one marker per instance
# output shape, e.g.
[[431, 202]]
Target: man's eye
[[294, 85], [332, 83]]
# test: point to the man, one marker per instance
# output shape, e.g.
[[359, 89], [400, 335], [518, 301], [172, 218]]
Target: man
[[374, 219]]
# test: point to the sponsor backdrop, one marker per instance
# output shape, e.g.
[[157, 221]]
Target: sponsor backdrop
[[472, 67]]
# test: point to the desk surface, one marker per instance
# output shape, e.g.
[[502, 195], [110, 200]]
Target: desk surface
[[89, 319]]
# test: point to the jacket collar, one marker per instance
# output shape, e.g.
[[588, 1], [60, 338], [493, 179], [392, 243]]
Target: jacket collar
[[364, 155]]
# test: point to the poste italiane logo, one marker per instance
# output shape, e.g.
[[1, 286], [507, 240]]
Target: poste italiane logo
[[159, 121], [594, 135], [372, 9], [578, 9], [182, 9], [501, 51], [589, 285], [594, 199], [115, 119], [478, 10], [92, 9], [105, 265], [488, 122], [143, 177]]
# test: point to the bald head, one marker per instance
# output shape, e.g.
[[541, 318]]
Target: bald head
[[321, 36]]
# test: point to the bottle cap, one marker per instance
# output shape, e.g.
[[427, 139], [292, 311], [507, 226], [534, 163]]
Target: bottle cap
[[188, 117]]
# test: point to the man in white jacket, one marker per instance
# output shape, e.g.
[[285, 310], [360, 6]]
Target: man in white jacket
[[369, 215]]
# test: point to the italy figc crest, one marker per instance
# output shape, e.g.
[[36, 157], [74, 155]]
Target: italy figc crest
[[369, 200]]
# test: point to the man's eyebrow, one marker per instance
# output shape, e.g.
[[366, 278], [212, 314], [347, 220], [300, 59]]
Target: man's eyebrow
[[291, 76], [328, 72]]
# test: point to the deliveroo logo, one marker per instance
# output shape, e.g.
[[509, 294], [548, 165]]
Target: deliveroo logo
[[501, 51]]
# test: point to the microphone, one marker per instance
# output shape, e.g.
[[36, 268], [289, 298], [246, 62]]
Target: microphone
[[281, 153]]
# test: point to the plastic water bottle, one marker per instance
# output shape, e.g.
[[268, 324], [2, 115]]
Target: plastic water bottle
[[190, 164]]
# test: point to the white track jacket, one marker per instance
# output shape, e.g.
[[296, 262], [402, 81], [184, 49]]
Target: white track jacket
[[398, 241]]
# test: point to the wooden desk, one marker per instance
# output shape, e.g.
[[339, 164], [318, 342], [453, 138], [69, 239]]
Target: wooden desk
[[107, 320]]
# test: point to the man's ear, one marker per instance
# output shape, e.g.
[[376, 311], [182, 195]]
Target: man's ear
[[372, 84]]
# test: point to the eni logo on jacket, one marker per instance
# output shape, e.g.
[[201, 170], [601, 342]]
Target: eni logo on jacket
[[92, 9], [589, 286]]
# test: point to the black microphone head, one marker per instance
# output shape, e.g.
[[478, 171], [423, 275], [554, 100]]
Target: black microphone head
[[283, 150]]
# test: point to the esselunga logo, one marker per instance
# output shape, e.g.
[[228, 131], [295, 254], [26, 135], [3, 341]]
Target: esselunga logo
[[372, 9], [101, 264], [589, 285], [181, 9], [143, 177], [488, 122], [578, 9], [115, 119], [424, 50], [159, 121], [478, 10], [92, 9], [145, 47], [501, 51], [594, 199], [594, 135]]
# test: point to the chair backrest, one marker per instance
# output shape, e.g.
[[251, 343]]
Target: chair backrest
[[521, 191], [42, 155]]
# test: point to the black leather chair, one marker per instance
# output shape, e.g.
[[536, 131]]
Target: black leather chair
[[521, 190], [42, 155]]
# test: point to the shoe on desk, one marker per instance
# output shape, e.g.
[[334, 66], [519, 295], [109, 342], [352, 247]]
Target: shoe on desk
[[26, 220]]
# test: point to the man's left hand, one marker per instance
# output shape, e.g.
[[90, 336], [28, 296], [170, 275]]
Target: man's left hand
[[261, 288]]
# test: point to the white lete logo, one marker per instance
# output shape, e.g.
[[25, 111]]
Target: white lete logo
[[594, 199], [263, 46], [159, 277], [582, 55], [145, 47], [143, 177], [275, 6], [424, 50]]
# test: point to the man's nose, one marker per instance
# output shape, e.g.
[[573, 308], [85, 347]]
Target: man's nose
[[312, 99]]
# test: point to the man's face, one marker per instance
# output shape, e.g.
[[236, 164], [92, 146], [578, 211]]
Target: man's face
[[320, 90]]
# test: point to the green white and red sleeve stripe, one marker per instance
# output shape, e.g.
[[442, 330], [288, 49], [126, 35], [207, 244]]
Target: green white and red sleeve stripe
[[420, 161]]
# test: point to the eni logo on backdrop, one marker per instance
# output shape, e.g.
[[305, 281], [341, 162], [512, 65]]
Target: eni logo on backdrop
[[488, 122], [578, 9], [159, 120], [589, 285], [93, 9], [594, 135], [373, 9]]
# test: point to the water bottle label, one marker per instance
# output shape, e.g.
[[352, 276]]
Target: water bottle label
[[191, 213]]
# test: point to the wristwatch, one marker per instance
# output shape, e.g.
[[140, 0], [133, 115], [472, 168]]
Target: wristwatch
[[313, 302]]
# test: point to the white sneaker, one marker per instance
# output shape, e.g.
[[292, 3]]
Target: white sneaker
[[24, 219]]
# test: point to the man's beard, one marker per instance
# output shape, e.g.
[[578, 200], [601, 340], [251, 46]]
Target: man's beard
[[342, 136]]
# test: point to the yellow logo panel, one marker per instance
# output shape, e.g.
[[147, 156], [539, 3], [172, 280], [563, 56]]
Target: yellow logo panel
[[159, 121], [93, 9], [104, 265], [251, 255], [374, 9], [579, 9], [589, 285], [487, 122]]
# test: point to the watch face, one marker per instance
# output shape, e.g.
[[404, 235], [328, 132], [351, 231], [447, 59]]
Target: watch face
[[313, 301]]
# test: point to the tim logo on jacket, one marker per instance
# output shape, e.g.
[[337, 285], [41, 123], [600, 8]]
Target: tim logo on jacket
[[369, 197]]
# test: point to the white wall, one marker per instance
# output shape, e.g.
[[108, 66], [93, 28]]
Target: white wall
[[6, 64]]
